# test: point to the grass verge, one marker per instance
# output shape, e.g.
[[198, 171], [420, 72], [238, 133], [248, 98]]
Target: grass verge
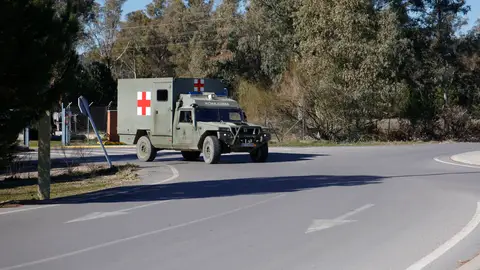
[[91, 143], [297, 143], [34, 144], [66, 182]]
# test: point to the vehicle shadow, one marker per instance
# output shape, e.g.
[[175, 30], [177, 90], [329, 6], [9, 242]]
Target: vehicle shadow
[[65, 162], [238, 158], [216, 188]]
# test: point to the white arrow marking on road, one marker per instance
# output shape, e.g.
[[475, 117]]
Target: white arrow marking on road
[[96, 215], [322, 224]]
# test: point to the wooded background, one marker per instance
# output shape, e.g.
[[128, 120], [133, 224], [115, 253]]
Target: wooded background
[[339, 70], [343, 70]]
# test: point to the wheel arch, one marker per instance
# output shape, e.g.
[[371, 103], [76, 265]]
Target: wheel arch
[[202, 138], [140, 133]]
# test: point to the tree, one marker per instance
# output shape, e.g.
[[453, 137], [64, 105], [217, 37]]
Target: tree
[[156, 9], [269, 29], [349, 62], [35, 64], [343, 66], [102, 31], [433, 71], [226, 22], [94, 81], [174, 26]]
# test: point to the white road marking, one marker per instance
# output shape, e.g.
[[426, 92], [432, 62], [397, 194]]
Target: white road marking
[[322, 224], [27, 209], [96, 215], [450, 243], [456, 164], [175, 174], [118, 241]]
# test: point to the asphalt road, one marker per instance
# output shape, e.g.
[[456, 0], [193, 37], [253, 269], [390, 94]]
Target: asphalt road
[[385, 207]]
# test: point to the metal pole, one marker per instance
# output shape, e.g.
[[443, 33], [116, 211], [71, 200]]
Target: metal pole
[[88, 130], [85, 110], [100, 140], [88, 125], [68, 115], [69, 127], [63, 126], [26, 137], [44, 165]]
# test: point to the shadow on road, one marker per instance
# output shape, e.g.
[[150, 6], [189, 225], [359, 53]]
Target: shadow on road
[[217, 188], [238, 158], [62, 162]]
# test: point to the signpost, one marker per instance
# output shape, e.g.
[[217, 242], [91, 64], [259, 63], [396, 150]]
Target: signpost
[[88, 125], [85, 110]]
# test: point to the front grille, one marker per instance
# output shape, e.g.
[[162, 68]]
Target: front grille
[[246, 131]]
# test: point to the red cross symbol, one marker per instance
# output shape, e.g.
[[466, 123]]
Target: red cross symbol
[[199, 85], [143, 103]]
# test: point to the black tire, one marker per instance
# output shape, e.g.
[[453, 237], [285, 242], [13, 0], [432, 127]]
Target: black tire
[[191, 155], [260, 154], [145, 150], [212, 150]]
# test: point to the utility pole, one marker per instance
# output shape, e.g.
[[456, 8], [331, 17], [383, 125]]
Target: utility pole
[[26, 137], [88, 125], [64, 140], [44, 165]]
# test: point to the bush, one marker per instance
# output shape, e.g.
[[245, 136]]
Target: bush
[[455, 122], [7, 154]]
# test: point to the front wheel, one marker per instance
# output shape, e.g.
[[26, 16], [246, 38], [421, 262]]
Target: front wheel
[[145, 150], [211, 150], [260, 154]]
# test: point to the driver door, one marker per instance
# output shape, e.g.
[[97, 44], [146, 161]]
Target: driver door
[[184, 130]]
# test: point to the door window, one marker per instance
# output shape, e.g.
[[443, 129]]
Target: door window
[[185, 117]]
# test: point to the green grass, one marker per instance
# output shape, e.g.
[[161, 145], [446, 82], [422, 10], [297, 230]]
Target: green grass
[[297, 143], [67, 183], [34, 144]]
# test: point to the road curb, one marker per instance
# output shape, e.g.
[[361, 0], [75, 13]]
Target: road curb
[[470, 158]]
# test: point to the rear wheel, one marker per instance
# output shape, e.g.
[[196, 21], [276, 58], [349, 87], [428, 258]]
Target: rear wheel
[[211, 150], [145, 150], [260, 154], [191, 155]]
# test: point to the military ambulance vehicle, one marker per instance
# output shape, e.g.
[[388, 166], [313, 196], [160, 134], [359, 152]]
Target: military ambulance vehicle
[[194, 116]]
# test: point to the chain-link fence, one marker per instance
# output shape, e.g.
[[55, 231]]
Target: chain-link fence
[[79, 125]]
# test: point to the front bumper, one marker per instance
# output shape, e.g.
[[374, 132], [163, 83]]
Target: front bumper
[[243, 142]]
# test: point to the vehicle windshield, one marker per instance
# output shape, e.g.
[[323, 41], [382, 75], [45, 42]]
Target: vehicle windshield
[[218, 115]]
